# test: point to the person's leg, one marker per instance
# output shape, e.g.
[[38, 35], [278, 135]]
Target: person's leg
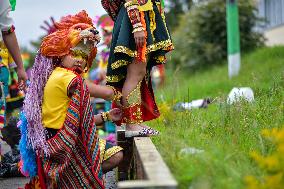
[[110, 155], [132, 95], [99, 91], [4, 79], [132, 102], [112, 162]]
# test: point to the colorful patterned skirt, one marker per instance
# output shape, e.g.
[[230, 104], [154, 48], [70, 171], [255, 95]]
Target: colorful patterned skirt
[[123, 48], [107, 150], [122, 53]]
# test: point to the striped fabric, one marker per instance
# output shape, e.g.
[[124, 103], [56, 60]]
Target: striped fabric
[[2, 106], [74, 160], [2, 115]]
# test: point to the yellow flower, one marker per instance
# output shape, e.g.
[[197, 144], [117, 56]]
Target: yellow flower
[[273, 165], [274, 181], [266, 133], [271, 162], [251, 182]]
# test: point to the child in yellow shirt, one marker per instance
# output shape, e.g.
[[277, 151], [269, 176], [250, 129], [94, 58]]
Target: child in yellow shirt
[[60, 146]]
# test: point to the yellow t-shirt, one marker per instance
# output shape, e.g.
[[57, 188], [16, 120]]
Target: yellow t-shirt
[[55, 98]]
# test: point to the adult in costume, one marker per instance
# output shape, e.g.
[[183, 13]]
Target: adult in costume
[[10, 44], [60, 147], [6, 63], [140, 41], [10, 40], [98, 75]]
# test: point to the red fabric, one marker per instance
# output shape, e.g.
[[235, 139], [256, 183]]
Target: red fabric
[[40, 173], [130, 115], [149, 107]]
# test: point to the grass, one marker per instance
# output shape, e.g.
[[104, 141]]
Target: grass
[[227, 134]]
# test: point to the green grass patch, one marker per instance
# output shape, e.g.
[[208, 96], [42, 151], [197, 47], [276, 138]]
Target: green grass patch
[[227, 134]]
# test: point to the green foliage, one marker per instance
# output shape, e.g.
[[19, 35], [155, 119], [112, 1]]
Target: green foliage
[[201, 38], [175, 9], [227, 134]]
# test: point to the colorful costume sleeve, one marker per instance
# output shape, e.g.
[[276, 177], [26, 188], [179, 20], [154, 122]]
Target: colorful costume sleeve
[[133, 11], [136, 16], [112, 7], [6, 22], [13, 4]]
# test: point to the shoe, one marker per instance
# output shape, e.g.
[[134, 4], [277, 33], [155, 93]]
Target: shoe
[[142, 133]]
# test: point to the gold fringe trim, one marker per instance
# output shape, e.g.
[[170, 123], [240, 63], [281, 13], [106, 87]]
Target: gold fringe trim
[[125, 50], [112, 151], [160, 59], [165, 24], [114, 78], [160, 45], [102, 145], [153, 25], [106, 154], [119, 63]]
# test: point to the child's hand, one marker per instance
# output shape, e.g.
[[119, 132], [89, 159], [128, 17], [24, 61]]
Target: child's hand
[[115, 114]]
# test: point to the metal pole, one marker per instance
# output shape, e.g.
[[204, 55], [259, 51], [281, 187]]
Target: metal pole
[[233, 39]]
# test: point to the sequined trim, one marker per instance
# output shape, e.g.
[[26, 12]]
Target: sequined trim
[[153, 24], [105, 154], [114, 78], [102, 145], [160, 45], [160, 59], [117, 95], [112, 151], [164, 20], [132, 114], [125, 50], [134, 97], [154, 47], [119, 64]]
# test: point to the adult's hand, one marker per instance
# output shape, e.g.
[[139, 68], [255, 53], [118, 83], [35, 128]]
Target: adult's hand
[[22, 78]]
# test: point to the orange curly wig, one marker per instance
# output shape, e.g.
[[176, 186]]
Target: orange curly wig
[[68, 35]]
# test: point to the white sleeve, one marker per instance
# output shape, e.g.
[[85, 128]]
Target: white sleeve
[[6, 21]]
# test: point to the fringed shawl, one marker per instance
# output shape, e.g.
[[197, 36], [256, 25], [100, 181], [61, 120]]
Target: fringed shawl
[[73, 160]]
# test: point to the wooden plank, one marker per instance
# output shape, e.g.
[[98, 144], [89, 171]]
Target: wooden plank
[[151, 160], [148, 166], [137, 184]]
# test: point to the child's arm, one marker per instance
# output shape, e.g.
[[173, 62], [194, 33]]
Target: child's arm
[[112, 115], [105, 92], [99, 91]]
